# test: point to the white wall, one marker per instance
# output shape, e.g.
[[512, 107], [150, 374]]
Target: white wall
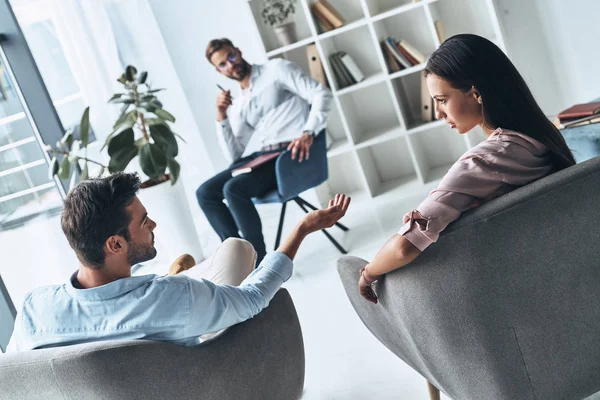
[[187, 27], [553, 44]]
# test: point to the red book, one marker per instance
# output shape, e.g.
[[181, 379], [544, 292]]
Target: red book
[[257, 162], [407, 55], [580, 111]]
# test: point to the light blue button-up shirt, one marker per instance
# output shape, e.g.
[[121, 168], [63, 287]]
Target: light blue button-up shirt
[[176, 309]]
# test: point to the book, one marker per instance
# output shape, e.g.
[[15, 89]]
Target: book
[[391, 44], [427, 109], [342, 75], [329, 13], [414, 53], [315, 66], [391, 62], [323, 22], [592, 119], [352, 68], [257, 162], [579, 111], [406, 54]]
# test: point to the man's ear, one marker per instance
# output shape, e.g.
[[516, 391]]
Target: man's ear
[[115, 244]]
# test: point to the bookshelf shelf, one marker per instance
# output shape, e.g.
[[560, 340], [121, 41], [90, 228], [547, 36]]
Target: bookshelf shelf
[[290, 47], [408, 71], [368, 81], [379, 142], [345, 28], [405, 6]]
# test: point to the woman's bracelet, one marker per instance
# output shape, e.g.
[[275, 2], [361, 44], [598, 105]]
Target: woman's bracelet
[[365, 278]]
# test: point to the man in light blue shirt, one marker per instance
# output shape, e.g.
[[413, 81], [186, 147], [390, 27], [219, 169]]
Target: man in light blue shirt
[[110, 231]]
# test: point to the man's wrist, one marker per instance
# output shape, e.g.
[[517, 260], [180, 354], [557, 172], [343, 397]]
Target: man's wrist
[[221, 117], [369, 277]]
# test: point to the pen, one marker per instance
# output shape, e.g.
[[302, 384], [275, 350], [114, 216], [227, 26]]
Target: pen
[[219, 86]]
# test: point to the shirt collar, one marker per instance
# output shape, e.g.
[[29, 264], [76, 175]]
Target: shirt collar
[[110, 290]]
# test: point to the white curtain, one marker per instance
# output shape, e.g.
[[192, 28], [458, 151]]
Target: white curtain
[[101, 37]]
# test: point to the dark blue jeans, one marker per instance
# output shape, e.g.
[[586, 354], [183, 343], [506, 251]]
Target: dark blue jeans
[[239, 215]]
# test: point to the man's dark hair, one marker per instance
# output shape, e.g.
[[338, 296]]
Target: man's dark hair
[[94, 211], [216, 45]]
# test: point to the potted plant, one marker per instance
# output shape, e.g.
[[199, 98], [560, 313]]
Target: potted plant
[[143, 131], [275, 13]]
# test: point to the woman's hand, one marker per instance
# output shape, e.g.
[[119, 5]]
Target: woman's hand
[[365, 286]]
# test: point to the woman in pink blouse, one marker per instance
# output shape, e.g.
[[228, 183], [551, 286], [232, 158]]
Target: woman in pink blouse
[[473, 83]]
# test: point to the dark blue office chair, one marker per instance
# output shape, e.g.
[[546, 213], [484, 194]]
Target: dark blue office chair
[[294, 178]]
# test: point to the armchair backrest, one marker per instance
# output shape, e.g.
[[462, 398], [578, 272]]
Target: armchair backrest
[[294, 178]]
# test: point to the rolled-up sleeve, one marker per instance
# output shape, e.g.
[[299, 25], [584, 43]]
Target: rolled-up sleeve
[[471, 181]]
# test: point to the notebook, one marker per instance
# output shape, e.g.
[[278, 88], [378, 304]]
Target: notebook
[[580, 111], [257, 162]]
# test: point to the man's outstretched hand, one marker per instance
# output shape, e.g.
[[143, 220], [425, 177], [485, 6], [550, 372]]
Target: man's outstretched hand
[[326, 218], [315, 221]]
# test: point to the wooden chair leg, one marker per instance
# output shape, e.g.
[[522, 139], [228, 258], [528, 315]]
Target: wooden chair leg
[[434, 393]]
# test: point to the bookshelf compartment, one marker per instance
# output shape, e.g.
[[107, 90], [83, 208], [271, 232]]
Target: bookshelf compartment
[[350, 10], [297, 55], [358, 43], [345, 175], [408, 92], [475, 136], [463, 16], [369, 113], [411, 26], [388, 166], [377, 7], [436, 150], [337, 141], [267, 32]]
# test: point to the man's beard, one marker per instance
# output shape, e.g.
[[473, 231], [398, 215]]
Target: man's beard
[[138, 253], [243, 72]]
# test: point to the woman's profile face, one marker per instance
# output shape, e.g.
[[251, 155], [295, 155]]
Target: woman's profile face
[[462, 111]]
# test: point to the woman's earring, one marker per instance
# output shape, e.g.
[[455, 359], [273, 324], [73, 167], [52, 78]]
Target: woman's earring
[[480, 101]]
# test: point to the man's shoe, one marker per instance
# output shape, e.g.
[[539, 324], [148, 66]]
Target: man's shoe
[[182, 263]]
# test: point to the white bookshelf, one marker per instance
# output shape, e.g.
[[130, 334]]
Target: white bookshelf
[[378, 141]]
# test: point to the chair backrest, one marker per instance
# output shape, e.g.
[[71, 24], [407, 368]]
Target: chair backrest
[[505, 304], [295, 177], [262, 358]]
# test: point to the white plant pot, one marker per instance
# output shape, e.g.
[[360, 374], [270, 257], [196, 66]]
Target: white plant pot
[[286, 34], [175, 233]]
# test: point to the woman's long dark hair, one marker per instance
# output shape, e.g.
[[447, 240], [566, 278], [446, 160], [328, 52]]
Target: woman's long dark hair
[[468, 60]]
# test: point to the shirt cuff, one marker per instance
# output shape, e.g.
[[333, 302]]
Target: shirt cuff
[[415, 231], [279, 263]]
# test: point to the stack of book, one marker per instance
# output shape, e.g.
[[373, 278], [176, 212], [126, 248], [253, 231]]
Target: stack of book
[[326, 16], [400, 54], [345, 70], [580, 114]]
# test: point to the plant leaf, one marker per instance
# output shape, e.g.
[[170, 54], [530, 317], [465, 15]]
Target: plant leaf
[[165, 139], [123, 100], [142, 78], [85, 174], [179, 136], [154, 90], [84, 128], [65, 168], [174, 169], [54, 166], [164, 115], [122, 79], [101, 172], [123, 115], [153, 161], [115, 96], [125, 139], [121, 159], [130, 72]]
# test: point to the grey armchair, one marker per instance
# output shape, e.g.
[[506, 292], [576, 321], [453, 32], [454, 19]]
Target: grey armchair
[[506, 305], [262, 358]]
